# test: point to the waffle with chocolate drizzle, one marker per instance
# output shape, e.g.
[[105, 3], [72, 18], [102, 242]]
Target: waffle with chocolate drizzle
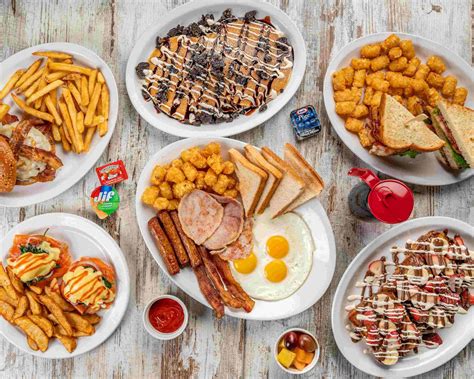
[[430, 280], [215, 70]]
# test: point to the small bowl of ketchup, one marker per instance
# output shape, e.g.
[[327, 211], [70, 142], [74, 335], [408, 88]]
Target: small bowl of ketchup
[[165, 317]]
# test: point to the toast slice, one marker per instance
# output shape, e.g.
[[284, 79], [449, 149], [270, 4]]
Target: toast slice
[[274, 176], [313, 182], [252, 181], [291, 185], [399, 131]]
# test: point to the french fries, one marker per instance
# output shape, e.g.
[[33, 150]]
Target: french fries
[[11, 83], [75, 99]]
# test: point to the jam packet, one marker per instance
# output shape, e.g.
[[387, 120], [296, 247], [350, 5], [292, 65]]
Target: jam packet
[[112, 173], [305, 122]]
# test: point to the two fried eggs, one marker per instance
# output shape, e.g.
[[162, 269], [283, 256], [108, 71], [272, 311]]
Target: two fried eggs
[[281, 259]]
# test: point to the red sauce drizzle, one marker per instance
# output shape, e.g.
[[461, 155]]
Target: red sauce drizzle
[[166, 315]]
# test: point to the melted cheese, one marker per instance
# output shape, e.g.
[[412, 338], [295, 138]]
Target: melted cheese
[[84, 285], [29, 266]]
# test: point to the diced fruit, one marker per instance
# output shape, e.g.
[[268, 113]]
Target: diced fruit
[[376, 267], [390, 357], [281, 345], [432, 340], [307, 343], [291, 340], [369, 318], [300, 354], [286, 357], [308, 358], [396, 313], [299, 365], [373, 338]]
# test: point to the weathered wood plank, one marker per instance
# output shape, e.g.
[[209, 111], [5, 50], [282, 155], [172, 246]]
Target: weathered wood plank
[[229, 348]]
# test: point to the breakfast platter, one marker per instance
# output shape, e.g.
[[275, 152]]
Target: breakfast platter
[[246, 232], [72, 167], [77, 236], [229, 122], [423, 169], [307, 228]]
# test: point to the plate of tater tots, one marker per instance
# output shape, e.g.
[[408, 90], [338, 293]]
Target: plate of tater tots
[[416, 72]]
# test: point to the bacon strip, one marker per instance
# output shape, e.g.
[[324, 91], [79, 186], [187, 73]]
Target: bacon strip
[[209, 292], [188, 243]]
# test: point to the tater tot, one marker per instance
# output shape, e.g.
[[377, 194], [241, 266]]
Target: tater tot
[[435, 80], [232, 183], [211, 178], [161, 203], [198, 160], [181, 189], [370, 51], [391, 41], [345, 108], [356, 94], [408, 91], [338, 81], [394, 53], [399, 81], [150, 194], [379, 63], [380, 85], [189, 171], [199, 181], [422, 72], [359, 78], [360, 111], [158, 174], [414, 61], [410, 70], [398, 65], [376, 99], [414, 105], [369, 93], [360, 63], [436, 64], [172, 205], [187, 154], [165, 190], [231, 193], [460, 95], [395, 91], [345, 95], [407, 48], [221, 184], [419, 85], [365, 138], [348, 73], [174, 175], [354, 125], [228, 168], [449, 86], [433, 96], [376, 75], [211, 148]]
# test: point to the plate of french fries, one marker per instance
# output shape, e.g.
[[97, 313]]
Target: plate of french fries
[[396, 64], [73, 91], [37, 319]]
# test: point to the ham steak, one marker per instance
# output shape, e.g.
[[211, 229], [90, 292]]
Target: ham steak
[[242, 247], [200, 215], [231, 226]]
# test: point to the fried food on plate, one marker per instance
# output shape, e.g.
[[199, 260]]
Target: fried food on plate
[[33, 331], [57, 313], [10, 83]]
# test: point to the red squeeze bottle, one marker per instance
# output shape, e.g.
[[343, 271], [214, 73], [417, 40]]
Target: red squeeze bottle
[[389, 201]]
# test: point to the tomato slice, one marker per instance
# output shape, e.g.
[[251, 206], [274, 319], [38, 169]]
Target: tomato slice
[[64, 256]]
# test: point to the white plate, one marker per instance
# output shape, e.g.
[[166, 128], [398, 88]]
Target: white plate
[[84, 238], [75, 166], [324, 256], [425, 168], [454, 338], [191, 12]]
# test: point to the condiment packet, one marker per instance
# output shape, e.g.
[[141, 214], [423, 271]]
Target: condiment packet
[[105, 200], [112, 173]]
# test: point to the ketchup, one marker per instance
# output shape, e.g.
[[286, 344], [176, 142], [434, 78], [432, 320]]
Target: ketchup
[[166, 315]]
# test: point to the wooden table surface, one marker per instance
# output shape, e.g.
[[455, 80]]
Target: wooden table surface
[[229, 348]]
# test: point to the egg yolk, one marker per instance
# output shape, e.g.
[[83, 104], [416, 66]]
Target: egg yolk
[[277, 246], [246, 265], [275, 271]]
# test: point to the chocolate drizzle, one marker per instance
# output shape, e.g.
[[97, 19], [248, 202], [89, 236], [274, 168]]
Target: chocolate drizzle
[[214, 71]]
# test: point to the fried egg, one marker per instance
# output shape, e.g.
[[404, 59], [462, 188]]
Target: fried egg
[[281, 259]]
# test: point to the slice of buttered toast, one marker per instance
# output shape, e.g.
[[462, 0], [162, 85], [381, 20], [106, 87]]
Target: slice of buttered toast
[[291, 185], [252, 181], [274, 176], [313, 182]]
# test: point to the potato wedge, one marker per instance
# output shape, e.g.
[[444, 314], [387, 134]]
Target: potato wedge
[[70, 343], [45, 325], [58, 299], [42, 115], [22, 307], [93, 319], [35, 306], [32, 344], [79, 323], [6, 283], [33, 331], [36, 290], [57, 312], [29, 72], [53, 54], [6, 311], [11, 83], [7, 299], [16, 282]]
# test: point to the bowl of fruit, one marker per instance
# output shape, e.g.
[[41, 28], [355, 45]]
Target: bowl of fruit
[[296, 351]]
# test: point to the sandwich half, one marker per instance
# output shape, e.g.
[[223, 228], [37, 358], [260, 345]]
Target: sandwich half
[[454, 124], [397, 131]]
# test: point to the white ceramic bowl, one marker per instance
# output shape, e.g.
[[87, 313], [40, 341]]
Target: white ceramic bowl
[[187, 14], [155, 333], [310, 366]]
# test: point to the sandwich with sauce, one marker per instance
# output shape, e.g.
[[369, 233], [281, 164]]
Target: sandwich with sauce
[[89, 285], [38, 259]]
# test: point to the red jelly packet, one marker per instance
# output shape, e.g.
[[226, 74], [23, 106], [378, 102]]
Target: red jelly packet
[[112, 173]]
